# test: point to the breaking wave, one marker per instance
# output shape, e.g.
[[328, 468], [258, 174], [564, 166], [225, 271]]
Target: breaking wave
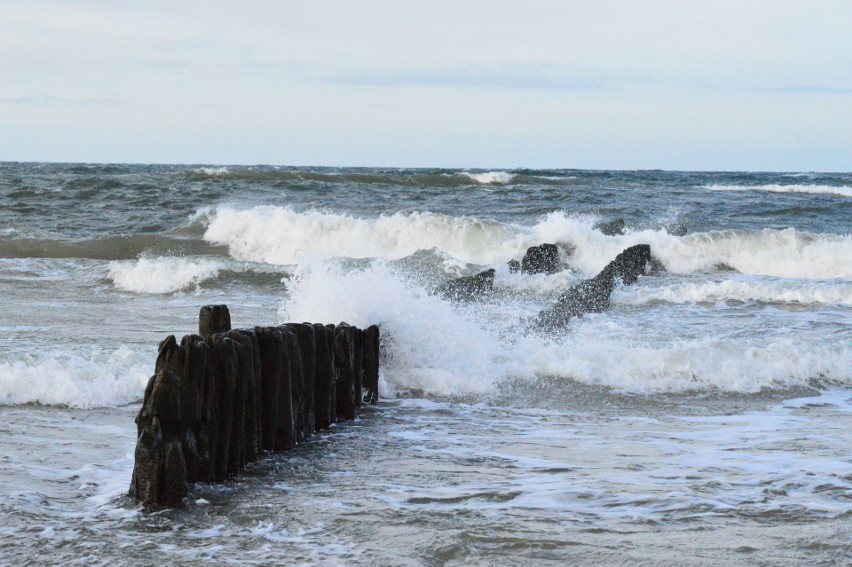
[[163, 275], [158, 275], [491, 177], [280, 235], [432, 346], [101, 380]]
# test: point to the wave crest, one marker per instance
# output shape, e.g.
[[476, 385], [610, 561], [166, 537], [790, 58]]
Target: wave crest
[[491, 177], [280, 235], [163, 274], [102, 380]]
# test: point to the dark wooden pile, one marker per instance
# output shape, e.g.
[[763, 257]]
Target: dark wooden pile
[[221, 398]]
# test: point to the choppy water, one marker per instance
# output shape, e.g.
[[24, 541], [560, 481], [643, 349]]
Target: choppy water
[[705, 418]]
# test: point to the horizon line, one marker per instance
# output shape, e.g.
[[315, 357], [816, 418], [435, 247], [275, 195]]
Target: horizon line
[[452, 168]]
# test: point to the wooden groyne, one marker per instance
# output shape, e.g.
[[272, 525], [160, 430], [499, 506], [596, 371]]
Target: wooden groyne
[[219, 399]]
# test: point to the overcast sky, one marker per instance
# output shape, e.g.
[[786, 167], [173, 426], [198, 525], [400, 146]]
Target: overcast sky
[[740, 85]]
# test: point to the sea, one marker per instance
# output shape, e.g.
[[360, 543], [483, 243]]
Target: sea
[[704, 419]]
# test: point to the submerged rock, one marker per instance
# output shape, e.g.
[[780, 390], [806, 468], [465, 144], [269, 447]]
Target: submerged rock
[[541, 259], [514, 266], [677, 229], [612, 228], [592, 295], [468, 288]]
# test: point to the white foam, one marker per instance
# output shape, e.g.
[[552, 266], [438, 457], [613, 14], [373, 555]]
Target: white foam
[[427, 344], [787, 291], [437, 348], [212, 171], [784, 253], [612, 357], [102, 380], [163, 274], [491, 177], [842, 190], [281, 235]]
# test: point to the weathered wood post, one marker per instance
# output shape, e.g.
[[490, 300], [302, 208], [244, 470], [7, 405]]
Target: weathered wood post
[[218, 399], [214, 319]]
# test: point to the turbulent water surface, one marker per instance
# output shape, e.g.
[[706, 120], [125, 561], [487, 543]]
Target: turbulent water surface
[[705, 418]]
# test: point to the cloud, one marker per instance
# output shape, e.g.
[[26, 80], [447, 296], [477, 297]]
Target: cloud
[[477, 76]]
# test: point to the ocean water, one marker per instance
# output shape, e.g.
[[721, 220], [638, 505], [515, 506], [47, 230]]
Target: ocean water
[[705, 419]]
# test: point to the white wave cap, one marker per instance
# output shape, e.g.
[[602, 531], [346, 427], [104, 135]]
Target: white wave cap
[[163, 274], [212, 171], [102, 380], [841, 190], [426, 344], [280, 235], [594, 356], [784, 253], [491, 177]]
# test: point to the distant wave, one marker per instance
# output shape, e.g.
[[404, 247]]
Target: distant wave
[[279, 235], [843, 191], [105, 248], [212, 171], [409, 177], [491, 177], [163, 275], [739, 290], [167, 274]]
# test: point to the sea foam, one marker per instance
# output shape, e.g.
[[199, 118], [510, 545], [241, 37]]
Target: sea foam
[[434, 347]]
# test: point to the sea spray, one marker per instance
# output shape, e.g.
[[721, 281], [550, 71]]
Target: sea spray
[[436, 347], [427, 344]]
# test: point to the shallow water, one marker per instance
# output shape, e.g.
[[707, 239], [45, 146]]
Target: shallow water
[[704, 419]]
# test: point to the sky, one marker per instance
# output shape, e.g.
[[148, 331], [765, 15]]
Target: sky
[[723, 85]]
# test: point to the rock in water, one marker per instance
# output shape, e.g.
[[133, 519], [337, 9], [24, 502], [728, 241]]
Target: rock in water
[[541, 259], [612, 228], [514, 266], [468, 288], [677, 229], [592, 295], [631, 263]]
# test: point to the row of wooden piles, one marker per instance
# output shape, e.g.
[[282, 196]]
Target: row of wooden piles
[[221, 398]]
